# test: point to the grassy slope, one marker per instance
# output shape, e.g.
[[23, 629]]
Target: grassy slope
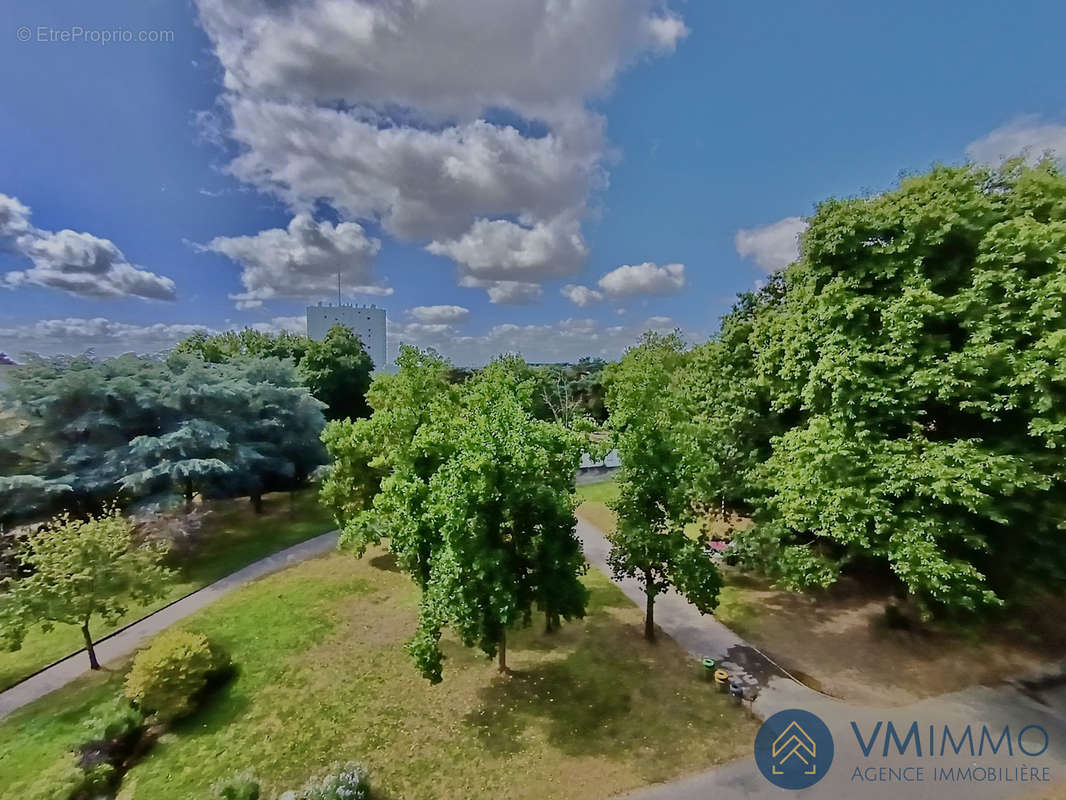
[[233, 537], [590, 711]]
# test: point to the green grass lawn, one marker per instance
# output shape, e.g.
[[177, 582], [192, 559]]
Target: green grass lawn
[[590, 711], [233, 537], [594, 498]]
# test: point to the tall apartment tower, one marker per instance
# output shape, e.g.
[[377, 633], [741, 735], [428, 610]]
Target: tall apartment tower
[[366, 322]]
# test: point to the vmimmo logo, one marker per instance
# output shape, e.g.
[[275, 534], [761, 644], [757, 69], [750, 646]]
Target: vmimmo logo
[[794, 749]]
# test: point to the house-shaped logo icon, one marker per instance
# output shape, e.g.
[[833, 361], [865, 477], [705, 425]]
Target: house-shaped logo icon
[[794, 749]]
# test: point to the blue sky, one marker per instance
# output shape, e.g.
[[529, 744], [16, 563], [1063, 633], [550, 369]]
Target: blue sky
[[473, 166]]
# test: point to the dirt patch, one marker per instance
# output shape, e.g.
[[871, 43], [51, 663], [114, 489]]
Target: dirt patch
[[839, 642]]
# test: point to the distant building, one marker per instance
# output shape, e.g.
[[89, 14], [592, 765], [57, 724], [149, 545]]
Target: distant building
[[366, 322]]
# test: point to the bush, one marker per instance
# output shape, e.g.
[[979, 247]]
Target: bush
[[65, 780], [170, 677], [117, 721], [242, 786], [347, 782]]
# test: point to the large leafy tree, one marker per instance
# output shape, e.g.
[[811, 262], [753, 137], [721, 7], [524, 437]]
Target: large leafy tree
[[917, 361], [473, 495], [87, 432], [337, 371], [649, 542], [78, 570], [246, 425], [247, 343]]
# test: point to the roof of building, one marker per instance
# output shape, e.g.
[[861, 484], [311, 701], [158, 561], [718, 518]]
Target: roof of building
[[6, 360]]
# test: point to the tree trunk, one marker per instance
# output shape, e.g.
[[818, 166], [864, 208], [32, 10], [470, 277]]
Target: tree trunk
[[93, 663], [188, 496], [257, 502], [502, 653], [649, 613], [548, 626]]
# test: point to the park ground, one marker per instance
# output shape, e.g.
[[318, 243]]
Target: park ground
[[589, 711], [837, 641], [232, 537]]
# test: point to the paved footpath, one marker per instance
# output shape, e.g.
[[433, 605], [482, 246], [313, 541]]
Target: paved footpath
[[994, 707], [127, 640]]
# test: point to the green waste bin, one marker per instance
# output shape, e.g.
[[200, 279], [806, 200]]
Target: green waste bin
[[709, 666]]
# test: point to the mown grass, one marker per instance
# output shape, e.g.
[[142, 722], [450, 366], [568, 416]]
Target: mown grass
[[233, 537], [590, 710]]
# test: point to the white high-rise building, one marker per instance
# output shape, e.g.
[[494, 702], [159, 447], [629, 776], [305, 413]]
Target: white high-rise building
[[366, 322]]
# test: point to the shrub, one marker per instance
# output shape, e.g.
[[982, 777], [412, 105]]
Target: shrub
[[242, 786], [65, 780], [344, 782], [120, 720], [170, 677]]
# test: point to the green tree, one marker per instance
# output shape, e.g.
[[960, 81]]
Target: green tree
[[915, 362], [247, 343], [337, 372], [653, 506], [472, 494], [381, 452], [79, 569], [502, 509]]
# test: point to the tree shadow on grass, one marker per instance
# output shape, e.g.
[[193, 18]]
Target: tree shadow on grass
[[582, 702], [386, 561]]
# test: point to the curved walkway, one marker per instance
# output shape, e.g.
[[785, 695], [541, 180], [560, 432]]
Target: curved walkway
[[126, 640], [996, 707]]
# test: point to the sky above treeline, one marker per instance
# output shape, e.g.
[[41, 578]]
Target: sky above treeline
[[551, 177]]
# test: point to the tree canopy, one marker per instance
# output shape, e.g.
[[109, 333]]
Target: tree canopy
[[77, 570], [896, 399], [86, 432], [654, 504], [473, 495], [335, 370]]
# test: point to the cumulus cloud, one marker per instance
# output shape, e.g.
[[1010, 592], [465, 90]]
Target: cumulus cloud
[[539, 58], [77, 263], [421, 184], [302, 261], [566, 340], [514, 293], [581, 295], [646, 278], [364, 105], [1026, 136], [772, 246], [439, 314], [502, 250]]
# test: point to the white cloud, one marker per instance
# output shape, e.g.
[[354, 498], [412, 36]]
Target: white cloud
[[364, 104], [539, 58], [1026, 136], [302, 261], [439, 314], [646, 278], [772, 246], [566, 340], [421, 184], [514, 293], [502, 250], [77, 263], [581, 295]]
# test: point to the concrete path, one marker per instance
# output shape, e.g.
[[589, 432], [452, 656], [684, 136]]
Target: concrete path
[[994, 707], [701, 634], [125, 641]]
